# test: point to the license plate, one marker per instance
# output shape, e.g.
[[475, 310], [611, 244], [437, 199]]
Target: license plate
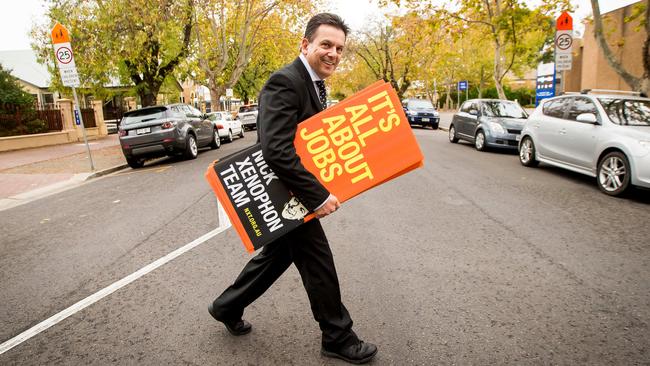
[[142, 131], [518, 137], [425, 120]]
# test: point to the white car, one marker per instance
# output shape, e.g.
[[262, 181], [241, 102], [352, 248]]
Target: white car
[[248, 116], [226, 125], [606, 136]]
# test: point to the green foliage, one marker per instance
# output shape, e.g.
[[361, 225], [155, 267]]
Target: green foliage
[[17, 114], [12, 93], [36, 126], [138, 42], [525, 96], [241, 43]]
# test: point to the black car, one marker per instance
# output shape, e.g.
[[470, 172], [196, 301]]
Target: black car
[[165, 130], [421, 112]]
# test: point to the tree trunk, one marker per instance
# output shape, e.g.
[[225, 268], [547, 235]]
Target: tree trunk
[[481, 82], [497, 70], [147, 99], [448, 100], [635, 83]]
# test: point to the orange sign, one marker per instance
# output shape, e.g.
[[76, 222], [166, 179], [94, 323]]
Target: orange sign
[[564, 22], [60, 34]]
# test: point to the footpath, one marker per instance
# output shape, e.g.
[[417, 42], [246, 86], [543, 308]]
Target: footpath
[[29, 174]]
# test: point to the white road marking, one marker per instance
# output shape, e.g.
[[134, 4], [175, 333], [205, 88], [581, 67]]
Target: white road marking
[[224, 224]]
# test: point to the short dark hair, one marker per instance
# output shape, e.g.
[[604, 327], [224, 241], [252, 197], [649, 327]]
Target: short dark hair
[[327, 19]]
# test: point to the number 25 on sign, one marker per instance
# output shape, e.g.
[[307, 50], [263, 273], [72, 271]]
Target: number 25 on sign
[[64, 56]]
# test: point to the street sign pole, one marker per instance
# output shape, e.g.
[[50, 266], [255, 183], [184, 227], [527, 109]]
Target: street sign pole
[[83, 128], [563, 47], [69, 76]]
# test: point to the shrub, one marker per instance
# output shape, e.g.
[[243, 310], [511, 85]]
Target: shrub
[[36, 126]]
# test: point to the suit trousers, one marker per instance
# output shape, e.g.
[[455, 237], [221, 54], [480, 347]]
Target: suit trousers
[[307, 248]]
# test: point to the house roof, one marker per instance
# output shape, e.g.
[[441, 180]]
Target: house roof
[[23, 65]]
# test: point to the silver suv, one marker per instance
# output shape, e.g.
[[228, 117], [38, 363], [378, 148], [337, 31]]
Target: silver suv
[[165, 130], [606, 136], [248, 116]]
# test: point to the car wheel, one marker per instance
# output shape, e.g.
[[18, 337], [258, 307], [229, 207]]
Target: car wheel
[[191, 149], [614, 173], [216, 140], [435, 126], [241, 133], [229, 138], [527, 153], [479, 141], [452, 134], [135, 163]]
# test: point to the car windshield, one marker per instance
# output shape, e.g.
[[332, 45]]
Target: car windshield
[[248, 108], [627, 112], [503, 109], [420, 104], [143, 115]]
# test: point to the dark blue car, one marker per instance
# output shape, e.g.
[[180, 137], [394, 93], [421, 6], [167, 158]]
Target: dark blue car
[[421, 112]]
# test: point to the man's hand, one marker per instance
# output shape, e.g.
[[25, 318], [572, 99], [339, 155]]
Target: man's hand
[[330, 206]]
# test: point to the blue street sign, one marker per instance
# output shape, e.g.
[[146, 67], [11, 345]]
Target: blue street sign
[[545, 87], [77, 120], [462, 85]]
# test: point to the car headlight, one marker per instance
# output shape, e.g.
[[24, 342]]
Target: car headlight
[[496, 127], [436, 114]]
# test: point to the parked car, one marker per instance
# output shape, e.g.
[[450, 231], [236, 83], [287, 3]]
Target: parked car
[[488, 123], [606, 136], [226, 125], [421, 112], [165, 130], [248, 116]]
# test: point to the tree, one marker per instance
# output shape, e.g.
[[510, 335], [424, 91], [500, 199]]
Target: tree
[[508, 23], [395, 52], [229, 33], [141, 41], [17, 108], [637, 83]]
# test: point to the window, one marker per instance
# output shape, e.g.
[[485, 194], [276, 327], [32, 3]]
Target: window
[[555, 108], [581, 105], [475, 106], [633, 112], [144, 115], [465, 107], [503, 109], [177, 112]]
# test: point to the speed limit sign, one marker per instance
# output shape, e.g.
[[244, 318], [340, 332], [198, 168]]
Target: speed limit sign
[[64, 56], [563, 42]]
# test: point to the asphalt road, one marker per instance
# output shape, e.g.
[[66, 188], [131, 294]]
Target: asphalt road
[[472, 259]]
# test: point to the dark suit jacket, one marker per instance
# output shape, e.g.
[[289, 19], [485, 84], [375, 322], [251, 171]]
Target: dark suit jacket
[[288, 98]]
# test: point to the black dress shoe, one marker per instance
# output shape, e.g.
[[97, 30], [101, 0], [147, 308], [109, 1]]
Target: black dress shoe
[[357, 353], [235, 327]]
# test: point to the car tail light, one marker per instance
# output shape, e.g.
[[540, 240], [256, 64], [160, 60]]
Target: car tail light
[[123, 133], [219, 126], [167, 125]]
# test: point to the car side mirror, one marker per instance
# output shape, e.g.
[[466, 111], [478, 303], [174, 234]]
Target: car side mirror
[[473, 112], [587, 118]]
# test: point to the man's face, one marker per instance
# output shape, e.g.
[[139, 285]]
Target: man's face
[[324, 52]]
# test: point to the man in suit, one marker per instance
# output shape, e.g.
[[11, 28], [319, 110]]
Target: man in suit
[[289, 97]]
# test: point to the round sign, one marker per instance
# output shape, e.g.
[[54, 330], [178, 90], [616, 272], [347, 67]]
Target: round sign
[[564, 42], [64, 55]]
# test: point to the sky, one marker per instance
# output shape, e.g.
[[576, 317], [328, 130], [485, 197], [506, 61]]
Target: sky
[[17, 16]]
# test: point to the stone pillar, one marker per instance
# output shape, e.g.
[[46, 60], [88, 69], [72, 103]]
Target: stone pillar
[[68, 119], [99, 117]]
